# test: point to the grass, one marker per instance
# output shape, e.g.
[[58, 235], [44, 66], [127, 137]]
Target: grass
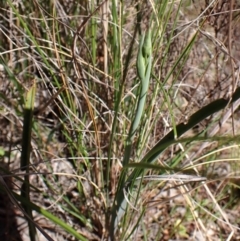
[[134, 131]]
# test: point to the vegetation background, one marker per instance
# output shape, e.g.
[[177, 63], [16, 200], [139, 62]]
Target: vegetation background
[[119, 120]]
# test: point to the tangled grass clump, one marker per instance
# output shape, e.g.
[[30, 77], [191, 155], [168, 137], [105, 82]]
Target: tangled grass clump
[[119, 121]]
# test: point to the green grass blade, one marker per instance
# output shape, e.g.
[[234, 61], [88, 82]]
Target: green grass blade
[[181, 128], [215, 106], [51, 217], [27, 127], [25, 156]]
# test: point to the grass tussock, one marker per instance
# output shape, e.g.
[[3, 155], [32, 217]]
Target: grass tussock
[[119, 120]]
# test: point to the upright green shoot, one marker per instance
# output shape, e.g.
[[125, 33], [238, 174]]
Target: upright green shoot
[[25, 157]]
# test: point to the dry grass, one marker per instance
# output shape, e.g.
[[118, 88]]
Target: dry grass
[[79, 57]]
